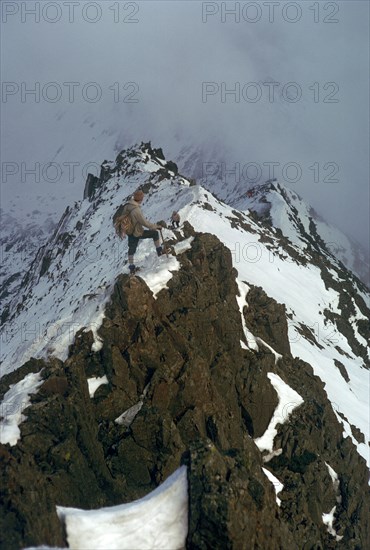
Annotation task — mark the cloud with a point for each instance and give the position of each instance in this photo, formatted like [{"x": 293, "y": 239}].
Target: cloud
[{"x": 164, "y": 60}]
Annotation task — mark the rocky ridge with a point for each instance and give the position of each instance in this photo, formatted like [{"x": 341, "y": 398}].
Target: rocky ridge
[
  {"x": 195, "y": 388},
  {"x": 206, "y": 400}
]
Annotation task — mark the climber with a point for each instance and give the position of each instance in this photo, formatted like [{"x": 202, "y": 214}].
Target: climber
[
  {"x": 175, "y": 219},
  {"x": 133, "y": 209}
]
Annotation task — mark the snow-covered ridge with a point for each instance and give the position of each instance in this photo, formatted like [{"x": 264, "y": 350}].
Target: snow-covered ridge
[
  {"x": 72, "y": 278},
  {"x": 303, "y": 226},
  {"x": 276, "y": 203},
  {"x": 72, "y": 275}
]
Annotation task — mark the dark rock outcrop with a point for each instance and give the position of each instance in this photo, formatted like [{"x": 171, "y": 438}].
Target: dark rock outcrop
[
  {"x": 267, "y": 319},
  {"x": 92, "y": 184},
  {"x": 232, "y": 503}
]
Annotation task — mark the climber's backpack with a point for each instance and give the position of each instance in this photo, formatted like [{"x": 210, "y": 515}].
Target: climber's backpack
[{"x": 123, "y": 222}]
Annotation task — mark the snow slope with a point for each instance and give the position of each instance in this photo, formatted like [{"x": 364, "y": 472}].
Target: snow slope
[
  {"x": 303, "y": 291},
  {"x": 22, "y": 234},
  {"x": 214, "y": 169},
  {"x": 302, "y": 225}
]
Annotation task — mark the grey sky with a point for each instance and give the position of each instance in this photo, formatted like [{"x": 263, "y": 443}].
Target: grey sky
[{"x": 168, "y": 53}]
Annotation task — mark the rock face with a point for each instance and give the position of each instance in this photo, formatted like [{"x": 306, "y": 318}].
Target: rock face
[
  {"x": 267, "y": 319},
  {"x": 232, "y": 503},
  {"x": 202, "y": 399}
]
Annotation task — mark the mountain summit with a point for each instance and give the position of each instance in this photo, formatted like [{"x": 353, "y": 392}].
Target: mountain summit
[{"x": 242, "y": 359}]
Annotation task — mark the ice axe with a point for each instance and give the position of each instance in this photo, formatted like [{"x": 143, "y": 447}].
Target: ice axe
[{"x": 163, "y": 243}]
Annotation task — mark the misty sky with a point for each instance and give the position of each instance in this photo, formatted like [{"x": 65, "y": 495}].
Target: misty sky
[{"x": 301, "y": 68}]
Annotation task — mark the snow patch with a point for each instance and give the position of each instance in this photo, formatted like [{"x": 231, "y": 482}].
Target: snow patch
[
  {"x": 289, "y": 400},
  {"x": 127, "y": 417},
  {"x": 275, "y": 353},
  {"x": 158, "y": 276},
  {"x": 278, "y": 486},
  {"x": 335, "y": 479},
  {"x": 184, "y": 245},
  {"x": 157, "y": 521},
  {"x": 243, "y": 345},
  {"x": 16, "y": 399},
  {"x": 358, "y": 316},
  {"x": 328, "y": 520},
  {"x": 242, "y": 302},
  {"x": 94, "y": 383},
  {"x": 98, "y": 342}
]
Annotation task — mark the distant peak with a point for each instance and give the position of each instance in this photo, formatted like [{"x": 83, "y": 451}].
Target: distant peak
[{"x": 273, "y": 186}]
